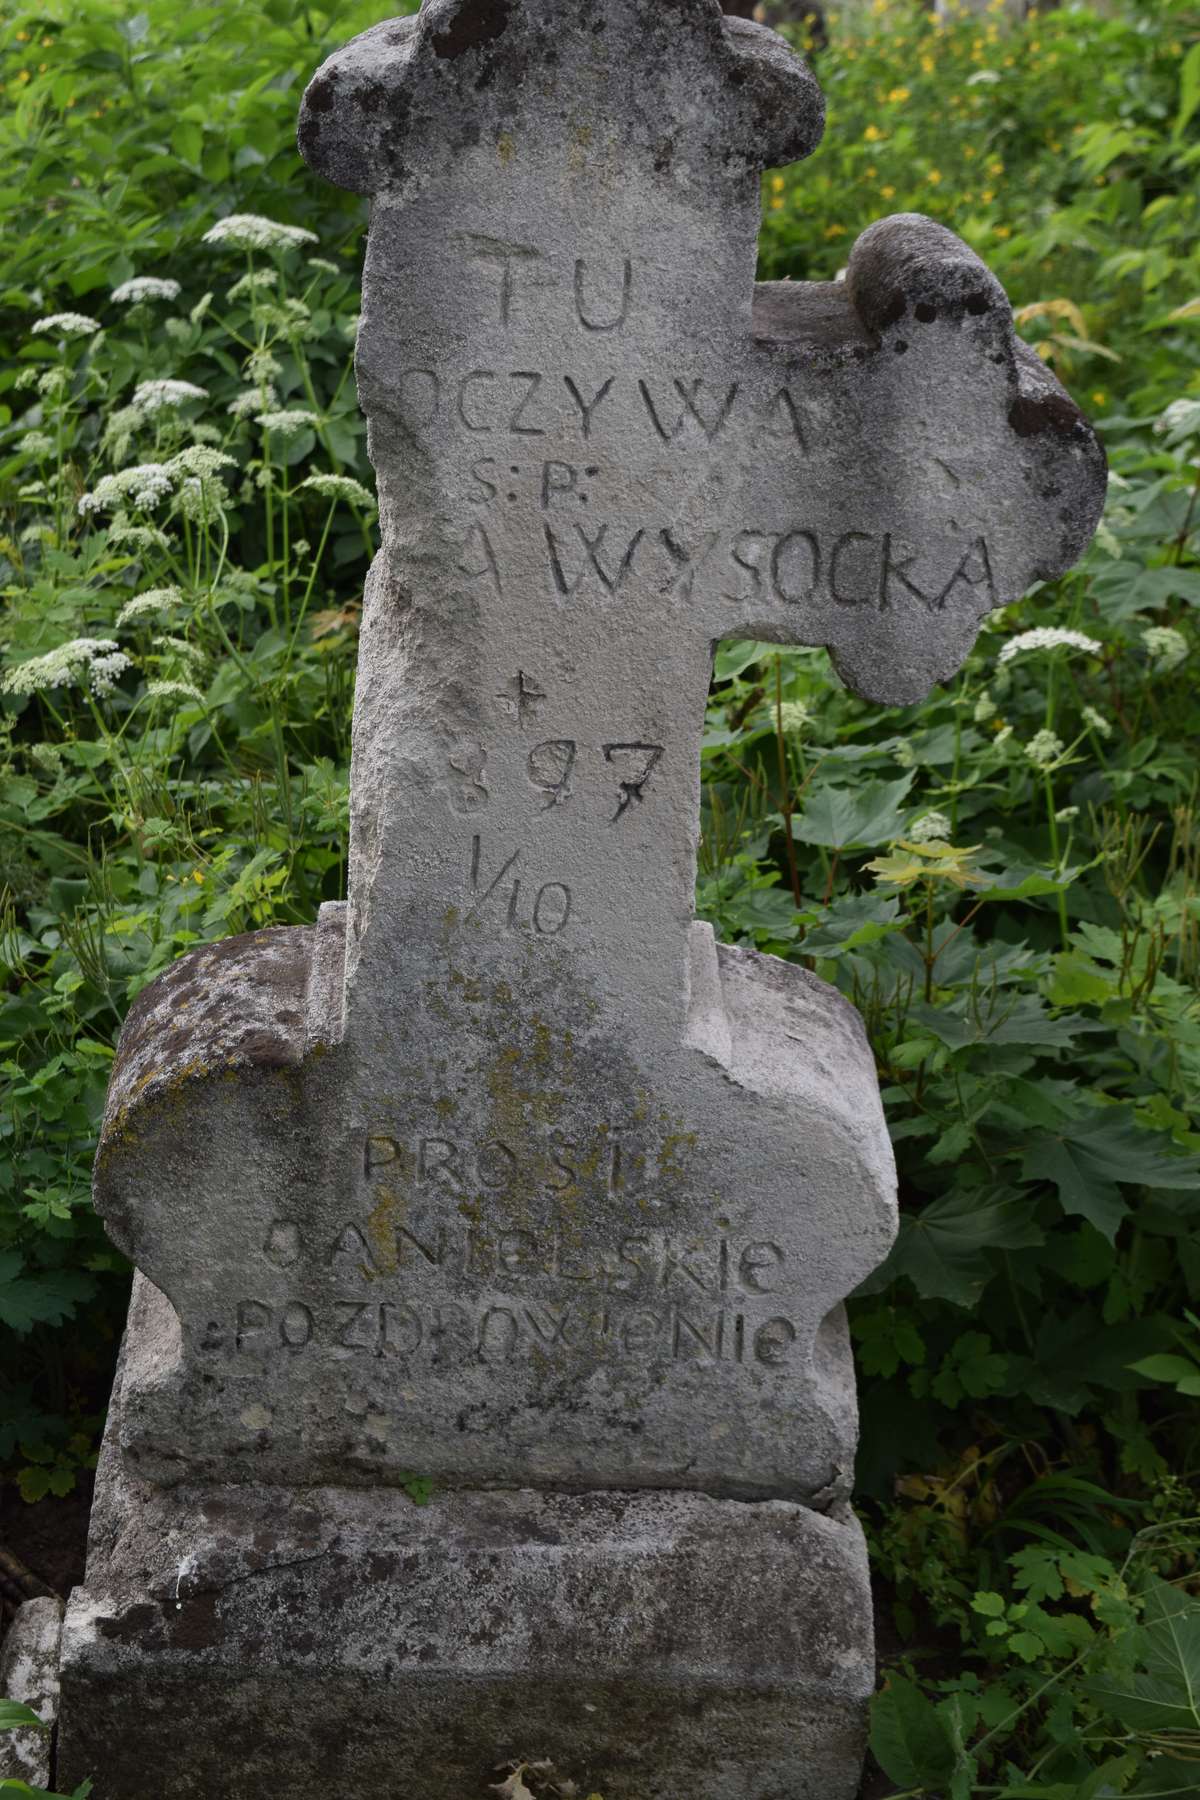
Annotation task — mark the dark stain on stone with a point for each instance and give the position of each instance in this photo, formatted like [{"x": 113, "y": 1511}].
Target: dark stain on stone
[
  {"x": 320, "y": 96},
  {"x": 894, "y": 311},
  {"x": 977, "y": 302},
  {"x": 472, "y": 25},
  {"x": 134, "y": 1625},
  {"x": 925, "y": 312},
  {"x": 1053, "y": 413},
  {"x": 196, "y": 1626}
]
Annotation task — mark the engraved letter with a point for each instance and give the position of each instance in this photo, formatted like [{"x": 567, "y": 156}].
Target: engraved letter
[
  {"x": 897, "y": 566},
  {"x": 839, "y": 549},
  {"x": 790, "y": 584},
  {"x": 610, "y": 324},
  {"x": 557, "y": 478},
  {"x": 978, "y": 548},
  {"x": 535, "y": 382},
  {"x": 496, "y": 1164},
  {"x": 634, "y": 789},
  {"x": 252, "y": 1317},
  {"x": 756, "y": 1260},
  {"x": 747, "y": 550},
  {"x": 587, "y": 407},
  {"x": 295, "y": 1326},
  {"x": 773, "y": 1340},
  {"x": 550, "y": 764},
  {"x": 496, "y": 250},
  {"x": 688, "y": 561},
  {"x": 498, "y": 1334},
  {"x": 378, "y": 1152},
  {"x": 489, "y": 487},
  {"x": 552, "y": 908},
  {"x": 467, "y": 382},
  {"x": 437, "y": 1160}
]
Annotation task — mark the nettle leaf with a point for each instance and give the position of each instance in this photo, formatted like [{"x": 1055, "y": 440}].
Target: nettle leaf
[
  {"x": 1087, "y": 1160},
  {"x": 912, "y": 1741},
  {"x": 942, "y": 1249},
  {"x": 855, "y": 818}
]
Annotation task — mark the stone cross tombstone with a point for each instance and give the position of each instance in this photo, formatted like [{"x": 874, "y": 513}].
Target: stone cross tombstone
[{"x": 504, "y": 1174}]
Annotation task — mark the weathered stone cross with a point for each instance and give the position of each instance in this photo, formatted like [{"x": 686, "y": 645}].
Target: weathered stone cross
[{"x": 503, "y": 1173}]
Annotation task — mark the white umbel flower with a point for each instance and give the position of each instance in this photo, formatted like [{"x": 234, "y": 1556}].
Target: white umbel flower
[
  {"x": 154, "y": 600},
  {"x": 253, "y": 400},
  {"x": 1165, "y": 647},
  {"x": 173, "y": 690},
  {"x": 287, "y": 423},
  {"x": 146, "y": 287},
  {"x": 1048, "y": 637},
  {"x": 145, "y": 484},
  {"x": 1044, "y": 749},
  {"x": 94, "y": 662},
  {"x": 338, "y": 487},
  {"x": 156, "y": 396},
  {"x": 932, "y": 827},
  {"x": 250, "y": 231},
  {"x": 66, "y": 324},
  {"x": 1096, "y": 721}
]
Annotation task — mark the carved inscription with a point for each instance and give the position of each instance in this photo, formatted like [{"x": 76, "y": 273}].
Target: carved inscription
[
  {"x": 685, "y": 412},
  {"x": 547, "y": 913},
  {"x": 501, "y": 1329}
]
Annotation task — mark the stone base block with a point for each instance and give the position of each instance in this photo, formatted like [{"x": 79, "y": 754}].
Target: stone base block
[{"x": 666, "y": 1646}]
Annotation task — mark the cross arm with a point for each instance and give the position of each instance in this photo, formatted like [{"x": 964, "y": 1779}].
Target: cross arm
[{"x": 932, "y": 468}]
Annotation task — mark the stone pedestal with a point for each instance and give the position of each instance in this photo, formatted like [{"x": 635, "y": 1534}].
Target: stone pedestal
[{"x": 241, "y": 1640}]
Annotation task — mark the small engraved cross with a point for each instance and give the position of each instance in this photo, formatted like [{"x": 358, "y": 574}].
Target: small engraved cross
[{"x": 521, "y": 696}]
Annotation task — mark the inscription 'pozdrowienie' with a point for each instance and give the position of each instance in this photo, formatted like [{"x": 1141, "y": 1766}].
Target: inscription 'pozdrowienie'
[{"x": 504, "y": 1173}]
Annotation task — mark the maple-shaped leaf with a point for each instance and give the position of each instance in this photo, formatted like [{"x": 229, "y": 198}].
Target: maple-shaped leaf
[{"x": 934, "y": 861}]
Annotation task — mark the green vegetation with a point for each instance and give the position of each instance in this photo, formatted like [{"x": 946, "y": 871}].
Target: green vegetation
[{"x": 1006, "y": 879}]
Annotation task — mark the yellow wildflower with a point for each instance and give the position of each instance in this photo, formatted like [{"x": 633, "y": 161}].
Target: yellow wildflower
[
  {"x": 970, "y": 152},
  {"x": 927, "y": 63},
  {"x": 1003, "y": 231},
  {"x": 834, "y": 231},
  {"x": 987, "y": 196},
  {"x": 22, "y": 37},
  {"x": 889, "y": 192},
  {"x": 898, "y": 96},
  {"x": 1099, "y": 398},
  {"x": 47, "y": 42},
  {"x": 873, "y": 134},
  {"x": 934, "y": 176},
  {"x": 776, "y": 204},
  {"x": 1010, "y": 62},
  {"x": 777, "y": 184},
  {"x": 22, "y": 74},
  {"x": 996, "y": 168}
]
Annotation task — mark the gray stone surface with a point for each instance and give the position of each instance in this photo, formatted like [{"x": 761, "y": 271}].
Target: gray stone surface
[
  {"x": 343, "y": 1641},
  {"x": 29, "y": 1673},
  {"x": 504, "y": 1173}
]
